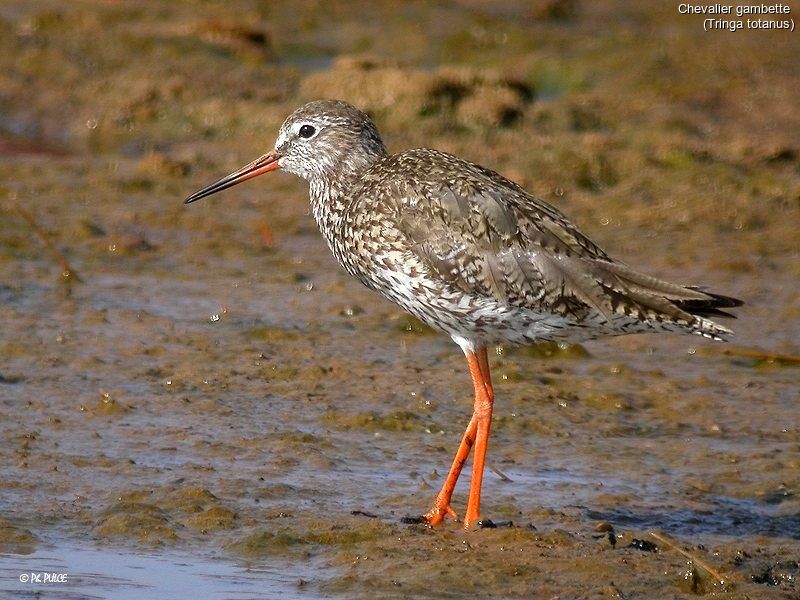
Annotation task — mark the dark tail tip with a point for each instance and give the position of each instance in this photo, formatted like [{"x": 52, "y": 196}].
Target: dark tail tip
[{"x": 710, "y": 307}]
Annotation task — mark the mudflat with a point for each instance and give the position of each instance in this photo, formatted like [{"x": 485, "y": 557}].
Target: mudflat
[{"x": 207, "y": 384}]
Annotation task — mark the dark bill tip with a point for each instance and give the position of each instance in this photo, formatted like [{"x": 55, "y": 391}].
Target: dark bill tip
[{"x": 263, "y": 164}]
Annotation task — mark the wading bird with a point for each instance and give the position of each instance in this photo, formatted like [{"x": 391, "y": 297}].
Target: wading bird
[{"x": 468, "y": 252}]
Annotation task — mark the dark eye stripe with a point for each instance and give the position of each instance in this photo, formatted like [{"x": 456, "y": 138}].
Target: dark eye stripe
[{"x": 306, "y": 131}]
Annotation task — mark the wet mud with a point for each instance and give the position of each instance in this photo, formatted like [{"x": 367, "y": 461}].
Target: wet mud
[{"x": 206, "y": 383}]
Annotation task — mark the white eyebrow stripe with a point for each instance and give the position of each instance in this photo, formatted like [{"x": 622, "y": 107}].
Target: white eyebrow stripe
[
  {"x": 294, "y": 130},
  {"x": 282, "y": 135}
]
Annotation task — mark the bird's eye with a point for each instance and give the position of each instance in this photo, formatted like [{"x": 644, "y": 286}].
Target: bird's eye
[{"x": 307, "y": 131}]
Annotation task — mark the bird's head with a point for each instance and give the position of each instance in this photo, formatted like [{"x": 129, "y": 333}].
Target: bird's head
[{"x": 322, "y": 141}]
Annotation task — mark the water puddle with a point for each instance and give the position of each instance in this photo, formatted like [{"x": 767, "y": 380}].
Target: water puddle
[
  {"x": 84, "y": 572},
  {"x": 722, "y": 517}
]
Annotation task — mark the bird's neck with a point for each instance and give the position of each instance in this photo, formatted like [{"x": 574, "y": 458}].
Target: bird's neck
[
  {"x": 331, "y": 197},
  {"x": 328, "y": 205}
]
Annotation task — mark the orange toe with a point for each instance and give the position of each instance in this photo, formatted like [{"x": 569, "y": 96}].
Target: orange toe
[{"x": 437, "y": 514}]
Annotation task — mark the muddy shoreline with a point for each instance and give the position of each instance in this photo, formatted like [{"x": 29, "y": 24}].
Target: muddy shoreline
[{"x": 216, "y": 389}]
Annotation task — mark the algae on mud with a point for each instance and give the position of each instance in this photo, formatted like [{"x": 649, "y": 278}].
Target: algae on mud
[{"x": 130, "y": 416}]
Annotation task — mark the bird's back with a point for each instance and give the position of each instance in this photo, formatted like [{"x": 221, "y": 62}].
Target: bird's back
[{"x": 441, "y": 227}]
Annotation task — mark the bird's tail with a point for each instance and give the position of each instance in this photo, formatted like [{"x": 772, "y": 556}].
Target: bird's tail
[
  {"x": 709, "y": 307},
  {"x": 685, "y": 306}
]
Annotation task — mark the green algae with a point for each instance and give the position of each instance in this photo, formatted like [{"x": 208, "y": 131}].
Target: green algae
[
  {"x": 216, "y": 518},
  {"x": 146, "y": 523},
  {"x": 342, "y": 536},
  {"x": 16, "y": 539},
  {"x": 371, "y": 421},
  {"x": 549, "y": 350}
]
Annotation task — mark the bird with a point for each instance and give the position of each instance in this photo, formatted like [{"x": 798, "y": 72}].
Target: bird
[{"x": 471, "y": 254}]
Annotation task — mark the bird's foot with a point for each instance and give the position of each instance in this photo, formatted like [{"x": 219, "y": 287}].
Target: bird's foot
[
  {"x": 437, "y": 514},
  {"x": 471, "y": 519}
]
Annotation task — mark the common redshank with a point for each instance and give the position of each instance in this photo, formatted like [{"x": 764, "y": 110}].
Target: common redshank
[{"x": 468, "y": 252}]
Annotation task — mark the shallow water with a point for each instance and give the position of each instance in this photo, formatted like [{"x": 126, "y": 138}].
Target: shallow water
[
  {"x": 73, "y": 572},
  {"x": 234, "y": 410}
]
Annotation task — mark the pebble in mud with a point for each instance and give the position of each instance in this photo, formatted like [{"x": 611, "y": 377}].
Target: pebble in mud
[
  {"x": 605, "y": 532},
  {"x": 643, "y": 545}
]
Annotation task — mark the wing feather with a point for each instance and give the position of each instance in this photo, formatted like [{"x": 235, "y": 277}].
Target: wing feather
[{"x": 484, "y": 234}]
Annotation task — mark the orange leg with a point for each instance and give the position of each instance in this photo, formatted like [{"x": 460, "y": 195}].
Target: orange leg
[
  {"x": 482, "y": 414},
  {"x": 441, "y": 506},
  {"x": 483, "y": 361},
  {"x": 477, "y": 431}
]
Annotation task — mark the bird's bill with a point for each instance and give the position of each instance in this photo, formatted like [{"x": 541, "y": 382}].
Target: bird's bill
[{"x": 263, "y": 164}]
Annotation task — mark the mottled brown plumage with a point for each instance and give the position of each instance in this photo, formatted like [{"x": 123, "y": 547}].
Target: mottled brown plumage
[
  {"x": 469, "y": 252},
  {"x": 433, "y": 217}
]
